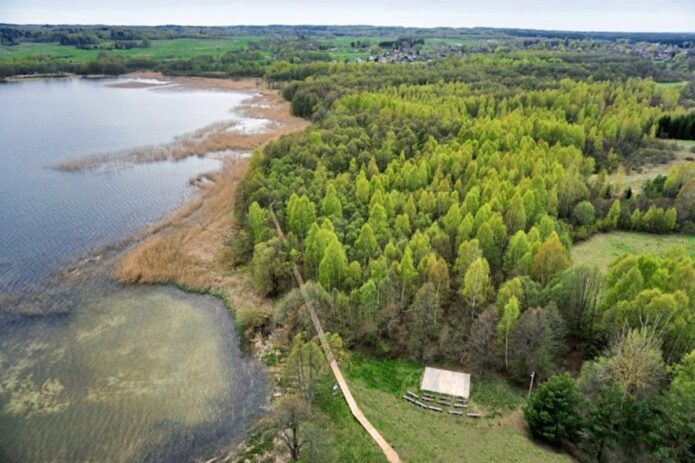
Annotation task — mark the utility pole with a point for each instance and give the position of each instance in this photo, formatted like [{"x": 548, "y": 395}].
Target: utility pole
[{"x": 530, "y": 386}]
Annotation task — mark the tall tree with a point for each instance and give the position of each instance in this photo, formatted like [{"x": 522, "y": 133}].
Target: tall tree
[
  {"x": 550, "y": 260},
  {"x": 305, "y": 366},
  {"x": 508, "y": 318},
  {"x": 331, "y": 206},
  {"x": 476, "y": 286},
  {"x": 482, "y": 341},
  {"x": 424, "y": 319},
  {"x": 301, "y": 214},
  {"x": 334, "y": 266}
]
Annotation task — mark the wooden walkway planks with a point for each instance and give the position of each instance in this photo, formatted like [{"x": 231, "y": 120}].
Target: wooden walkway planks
[{"x": 388, "y": 451}]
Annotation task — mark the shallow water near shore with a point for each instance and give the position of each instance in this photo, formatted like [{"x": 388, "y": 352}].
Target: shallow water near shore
[
  {"x": 131, "y": 374},
  {"x": 106, "y": 372},
  {"x": 49, "y": 216}
]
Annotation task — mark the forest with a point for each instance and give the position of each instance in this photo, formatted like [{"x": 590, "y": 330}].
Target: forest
[
  {"x": 255, "y": 51},
  {"x": 432, "y": 206},
  {"x": 435, "y": 207}
]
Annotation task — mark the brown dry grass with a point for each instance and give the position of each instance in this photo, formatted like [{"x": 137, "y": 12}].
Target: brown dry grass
[{"x": 187, "y": 247}]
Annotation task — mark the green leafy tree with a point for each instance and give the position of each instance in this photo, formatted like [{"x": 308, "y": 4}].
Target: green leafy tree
[
  {"x": 553, "y": 411},
  {"x": 550, "y": 260},
  {"x": 476, "y": 286},
  {"x": 366, "y": 246},
  {"x": 517, "y": 260},
  {"x": 271, "y": 267},
  {"x": 508, "y": 317},
  {"x": 333, "y": 268},
  {"x": 604, "y": 422},
  {"x": 301, "y": 214},
  {"x": 672, "y": 433},
  {"x": 584, "y": 213},
  {"x": 362, "y": 188},
  {"x": 258, "y": 222},
  {"x": 331, "y": 205},
  {"x": 305, "y": 367},
  {"x": 515, "y": 217}
]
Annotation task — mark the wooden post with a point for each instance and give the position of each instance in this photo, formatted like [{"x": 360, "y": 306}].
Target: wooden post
[{"x": 530, "y": 386}]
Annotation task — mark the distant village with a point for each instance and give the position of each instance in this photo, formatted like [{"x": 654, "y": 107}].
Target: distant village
[{"x": 406, "y": 52}]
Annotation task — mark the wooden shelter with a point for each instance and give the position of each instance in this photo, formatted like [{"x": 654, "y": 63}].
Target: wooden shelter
[{"x": 447, "y": 382}]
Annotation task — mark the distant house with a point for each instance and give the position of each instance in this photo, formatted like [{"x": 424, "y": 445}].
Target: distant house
[{"x": 447, "y": 382}]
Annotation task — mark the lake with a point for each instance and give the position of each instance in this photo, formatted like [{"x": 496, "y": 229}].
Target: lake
[{"x": 115, "y": 373}]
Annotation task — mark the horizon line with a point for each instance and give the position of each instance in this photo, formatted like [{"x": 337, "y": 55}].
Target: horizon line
[{"x": 531, "y": 29}]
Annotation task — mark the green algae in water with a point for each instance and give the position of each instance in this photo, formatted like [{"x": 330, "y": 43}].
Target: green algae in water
[{"x": 133, "y": 374}]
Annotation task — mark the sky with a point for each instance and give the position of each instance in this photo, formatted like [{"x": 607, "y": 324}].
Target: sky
[{"x": 580, "y": 15}]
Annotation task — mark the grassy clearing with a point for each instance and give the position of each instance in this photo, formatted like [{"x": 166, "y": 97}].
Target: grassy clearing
[
  {"x": 421, "y": 436},
  {"x": 352, "y": 443},
  {"x": 636, "y": 178},
  {"x": 602, "y": 249}
]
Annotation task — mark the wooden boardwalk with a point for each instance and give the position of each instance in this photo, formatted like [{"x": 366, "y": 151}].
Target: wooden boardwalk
[{"x": 388, "y": 451}]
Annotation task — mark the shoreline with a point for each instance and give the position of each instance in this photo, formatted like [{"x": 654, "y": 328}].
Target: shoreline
[
  {"x": 187, "y": 248},
  {"x": 265, "y": 108}
]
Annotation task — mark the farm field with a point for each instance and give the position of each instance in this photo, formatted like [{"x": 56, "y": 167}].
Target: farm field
[
  {"x": 159, "y": 50},
  {"x": 604, "y": 248},
  {"x": 171, "y": 49}
]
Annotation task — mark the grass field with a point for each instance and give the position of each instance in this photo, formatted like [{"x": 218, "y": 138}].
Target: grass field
[
  {"x": 159, "y": 50},
  {"x": 602, "y": 249},
  {"x": 420, "y": 436},
  {"x": 168, "y": 49}
]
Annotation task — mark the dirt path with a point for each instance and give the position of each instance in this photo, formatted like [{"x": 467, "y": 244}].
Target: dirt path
[{"x": 388, "y": 451}]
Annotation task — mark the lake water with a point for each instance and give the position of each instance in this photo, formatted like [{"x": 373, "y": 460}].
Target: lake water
[{"x": 123, "y": 373}]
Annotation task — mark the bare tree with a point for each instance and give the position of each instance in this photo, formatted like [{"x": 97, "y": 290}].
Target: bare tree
[
  {"x": 482, "y": 342},
  {"x": 288, "y": 418}
]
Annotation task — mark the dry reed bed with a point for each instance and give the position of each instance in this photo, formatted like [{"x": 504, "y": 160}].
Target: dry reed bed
[
  {"x": 187, "y": 247},
  {"x": 218, "y": 137}
]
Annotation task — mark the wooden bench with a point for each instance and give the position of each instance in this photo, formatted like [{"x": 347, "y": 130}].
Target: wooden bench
[
  {"x": 434, "y": 409},
  {"x": 456, "y": 412},
  {"x": 473, "y": 415},
  {"x": 460, "y": 406}
]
